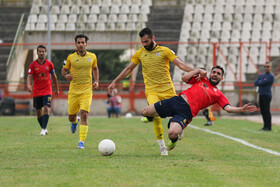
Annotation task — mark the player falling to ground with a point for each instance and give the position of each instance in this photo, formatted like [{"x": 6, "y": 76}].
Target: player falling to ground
[
  {"x": 155, "y": 69},
  {"x": 40, "y": 71},
  {"x": 81, "y": 66},
  {"x": 184, "y": 107}
]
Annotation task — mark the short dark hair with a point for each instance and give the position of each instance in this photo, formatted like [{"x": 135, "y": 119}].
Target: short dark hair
[
  {"x": 146, "y": 31},
  {"x": 219, "y": 67},
  {"x": 41, "y": 46},
  {"x": 81, "y": 36}
]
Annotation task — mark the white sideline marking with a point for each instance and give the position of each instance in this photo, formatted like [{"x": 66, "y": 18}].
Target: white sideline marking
[{"x": 238, "y": 140}]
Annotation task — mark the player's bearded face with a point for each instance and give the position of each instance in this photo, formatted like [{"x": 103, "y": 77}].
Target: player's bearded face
[
  {"x": 150, "y": 46},
  {"x": 215, "y": 76},
  {"x": 147, "y": 42}
]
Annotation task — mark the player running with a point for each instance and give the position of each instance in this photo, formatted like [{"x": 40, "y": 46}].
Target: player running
[
  {"x": 40, "y": 70},
  {"x": 81, "y": 65}
]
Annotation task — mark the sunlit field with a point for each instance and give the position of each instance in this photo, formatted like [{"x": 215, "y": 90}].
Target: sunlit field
[{"x": 200, "y": 159}]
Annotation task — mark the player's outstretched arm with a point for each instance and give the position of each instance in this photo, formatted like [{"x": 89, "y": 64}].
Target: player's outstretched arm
[
  {"x": 121, "y": 76},
  {"x": 246, "y": 108},
  {"x": 182, "y": 65},
  {"x": 190, "y": 74}
]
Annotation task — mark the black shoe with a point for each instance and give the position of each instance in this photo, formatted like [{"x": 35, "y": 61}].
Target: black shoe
[
  {"x": 209, "y": 123},
  {"x": 265, "y": 129}
]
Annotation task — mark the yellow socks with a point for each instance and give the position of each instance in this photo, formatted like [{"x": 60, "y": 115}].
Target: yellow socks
[
  {"x": 212, "y": 118},
  {"x": 75, "y": 121},
  {"x": 158, "y": 130},
  {"x": 83, "y": 132}
]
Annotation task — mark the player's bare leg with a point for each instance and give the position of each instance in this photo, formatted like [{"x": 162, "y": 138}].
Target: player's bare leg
[
  {"x": 149, "y": 111},
  {"x": 174, "y": 130}
]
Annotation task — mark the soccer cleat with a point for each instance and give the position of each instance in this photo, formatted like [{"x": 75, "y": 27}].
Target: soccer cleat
[
  {"x": 43, "y": 133},
  {"x": 209, "y": 123},
  {"x": 163, "y": 151},
  {"x": 144, "y": 120},
  {"x": 180, "y": 136},
  {"x": 171, "y": 146},
  {"x": 81, "y": 145},
  {"x": 46, "y": 132},
  {"x": 74, "y": 125}
]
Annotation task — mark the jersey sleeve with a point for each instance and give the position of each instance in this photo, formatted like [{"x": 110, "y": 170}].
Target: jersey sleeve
[
  {"x": 52, "y": 70},
  {"x": 223, "y": 101},
  {"x": 136, "y": 57},
  {"x": 192, "y": 80},
  {"x": 31, "y": 69},
  {"x": 94, "y": 64},
  {"x": 67, "y": 65},
  {"x": 170, "y": 54}
]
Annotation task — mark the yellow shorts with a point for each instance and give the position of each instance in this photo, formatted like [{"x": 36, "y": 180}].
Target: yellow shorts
[
  {"x": 79, "y": 101},
  {"x": 152, "y": 98}
]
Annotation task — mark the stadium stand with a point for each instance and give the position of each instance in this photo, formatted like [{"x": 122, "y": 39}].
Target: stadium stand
[
  {"x": 127, "y": 15},
  {"x": 230, "y": 21},
  {"x": 8, "y": 28}
]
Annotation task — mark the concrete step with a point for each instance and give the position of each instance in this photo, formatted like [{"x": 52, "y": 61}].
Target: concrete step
[
  {"x": 167, "y": 10},
  {"x": 3, "y": 59},
  {"x": 162, "y": 16},
  {"x": 14, "y": 10},
  {"x": 5, "y": 50},
  {"x": 3, "y": 75},
  {"x": 161, "y": 24},
  {"x": 2, "y": 66}
]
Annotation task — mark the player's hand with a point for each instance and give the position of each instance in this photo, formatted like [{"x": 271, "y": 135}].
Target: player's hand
[
  {"x": 56, "y": 92},
  {"x": 95, "y": 85},
  {"x": 111, "y": 87},
  {"x": 249, "y": 108},
  {"x": 29, "y": 87},
  {"x": 69, "y": 77},
  {"x": 202, "y": 72}
]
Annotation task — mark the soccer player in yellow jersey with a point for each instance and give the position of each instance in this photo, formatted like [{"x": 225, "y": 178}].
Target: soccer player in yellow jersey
[
  {"x": 81, "y": 66},
  {"x": 155, "y": 69}
]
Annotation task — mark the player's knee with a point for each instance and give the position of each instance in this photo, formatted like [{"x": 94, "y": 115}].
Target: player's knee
[
  {"x": 46, "y": 110},
  {"x": 172, "y": 134},
  {"x": 174, "y": 130},
  {"x": 72, "y": 118}
]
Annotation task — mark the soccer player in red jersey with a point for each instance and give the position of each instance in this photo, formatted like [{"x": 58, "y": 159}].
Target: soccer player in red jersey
[
  {"x": 40, "y": 70},
  {"x": 188, "y": 103}
]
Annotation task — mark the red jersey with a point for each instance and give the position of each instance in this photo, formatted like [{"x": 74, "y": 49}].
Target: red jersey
[
  {"x": 41, "y": 77},
  {"x": 203, "y": 94}
]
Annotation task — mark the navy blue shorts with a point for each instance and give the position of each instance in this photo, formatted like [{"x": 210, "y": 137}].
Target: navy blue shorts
[
  {"x": 39, "y": 102},
  {"x": 176, "y": 107}
]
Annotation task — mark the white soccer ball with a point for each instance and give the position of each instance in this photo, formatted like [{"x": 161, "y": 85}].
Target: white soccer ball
[
  {"x": 128, "y": 115},
  {"x": 106, "y": 147}
]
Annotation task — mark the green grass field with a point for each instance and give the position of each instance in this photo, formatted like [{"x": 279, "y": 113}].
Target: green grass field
[{"x": 200, "y": 159}]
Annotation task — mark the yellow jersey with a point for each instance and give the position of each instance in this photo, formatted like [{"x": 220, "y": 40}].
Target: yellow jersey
[
  {"x": 80, "y": 68},
  {"x": 155, "y": 68}
]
